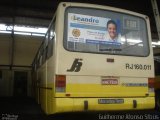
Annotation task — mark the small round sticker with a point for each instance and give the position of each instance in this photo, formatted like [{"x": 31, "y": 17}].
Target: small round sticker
[{"x": 76, "y": 32}]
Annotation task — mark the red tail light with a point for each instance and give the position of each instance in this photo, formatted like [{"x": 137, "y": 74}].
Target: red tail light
[
  {"x": 151, "y": 82},
  {"x": 60, "y": 82}
]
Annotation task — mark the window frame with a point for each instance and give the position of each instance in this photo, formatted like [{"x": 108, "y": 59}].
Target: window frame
[{"x": 147, "y": 43}]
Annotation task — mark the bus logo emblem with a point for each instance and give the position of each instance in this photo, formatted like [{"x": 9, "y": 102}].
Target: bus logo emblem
[{"x": 76, "y": 66}]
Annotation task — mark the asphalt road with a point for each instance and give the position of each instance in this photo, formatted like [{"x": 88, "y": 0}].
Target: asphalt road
[{"x": 28, "y": 109}]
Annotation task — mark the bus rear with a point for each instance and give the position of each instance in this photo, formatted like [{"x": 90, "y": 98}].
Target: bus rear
[{"x": 104, "y": 59}]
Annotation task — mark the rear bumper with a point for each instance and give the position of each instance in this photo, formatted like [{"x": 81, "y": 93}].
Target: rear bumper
[{"x": 91, "y": 104}]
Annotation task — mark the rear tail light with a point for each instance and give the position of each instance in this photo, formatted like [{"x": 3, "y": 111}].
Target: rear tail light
[
  {"x": 60, "y": 83},
  {"x": 151, "y": 82}
]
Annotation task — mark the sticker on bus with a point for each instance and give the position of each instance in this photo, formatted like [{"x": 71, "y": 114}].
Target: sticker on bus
[{"x": 110, "y": 101}]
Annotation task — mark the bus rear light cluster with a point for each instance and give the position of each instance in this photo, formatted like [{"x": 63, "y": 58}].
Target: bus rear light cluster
[
  {"x": 60, "y": 83},
  {"x": 151, "y": 82}
]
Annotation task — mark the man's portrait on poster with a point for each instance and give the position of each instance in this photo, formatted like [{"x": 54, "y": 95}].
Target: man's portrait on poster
[{"x": 112, "y": 34}]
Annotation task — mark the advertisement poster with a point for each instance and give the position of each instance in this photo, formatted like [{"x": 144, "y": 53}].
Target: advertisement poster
[{"x": 93, "y": 30}]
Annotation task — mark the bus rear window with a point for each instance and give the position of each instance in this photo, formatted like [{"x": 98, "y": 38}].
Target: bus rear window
[{"x": 106, "y": 32}]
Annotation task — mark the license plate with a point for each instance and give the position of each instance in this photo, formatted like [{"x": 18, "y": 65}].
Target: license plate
[
  {"x": 109, "y": 82},
  {"x": 110, "y": 101}
]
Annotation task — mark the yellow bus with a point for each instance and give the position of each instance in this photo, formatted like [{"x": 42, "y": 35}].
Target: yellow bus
[{"x": 95, "y": 58}]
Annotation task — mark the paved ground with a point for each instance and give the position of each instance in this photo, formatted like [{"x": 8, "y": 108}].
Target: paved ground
[
  {"x": 28, "y": 109},
  {"x": 20, "y": 109}
]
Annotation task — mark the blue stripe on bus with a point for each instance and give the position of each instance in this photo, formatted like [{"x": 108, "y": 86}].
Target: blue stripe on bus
[
  {"x": 102, "y": 42},
  {"x": 87, "y": 26}
]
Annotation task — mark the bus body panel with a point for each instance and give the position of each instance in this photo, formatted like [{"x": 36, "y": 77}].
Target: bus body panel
[
  {"x": 42, "y": 79},
  {"x": 96, "y": 64},
  {"x": 88, "y": 81},
  {"x": 89, "y": 86},
  {"x": 137, "y": 69},
  {"x": 93, "y": 77},
  {"x": 77, "y": 104}
]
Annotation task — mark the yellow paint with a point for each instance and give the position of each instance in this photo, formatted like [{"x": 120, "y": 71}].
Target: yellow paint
[
  {"x": 77, "y": 104},
  {"x": 43, "y": 99},
  {"x": 98, "y": 90},
  {"x": 50, "y": 96},
  {"x": 74, "y": 103}
]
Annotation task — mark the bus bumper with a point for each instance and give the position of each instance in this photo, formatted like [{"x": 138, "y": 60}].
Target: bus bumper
[{"x": 92, "y": 104}]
